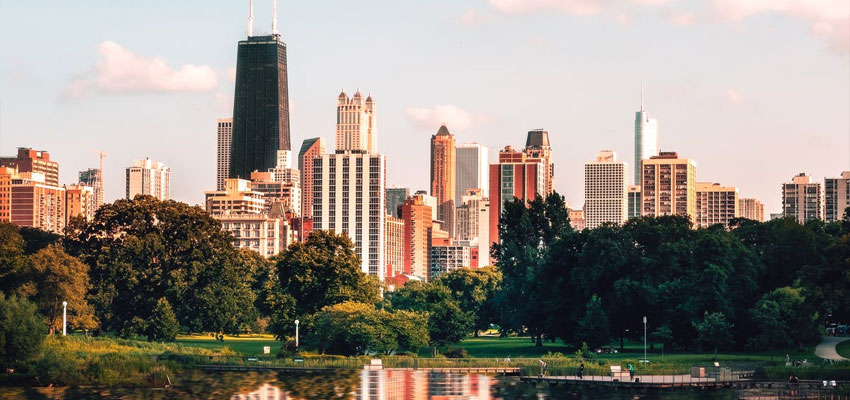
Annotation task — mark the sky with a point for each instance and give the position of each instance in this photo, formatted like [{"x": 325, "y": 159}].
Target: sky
[{"x": 755, "y": 91}]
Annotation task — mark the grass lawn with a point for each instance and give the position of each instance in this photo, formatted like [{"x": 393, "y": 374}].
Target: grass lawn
[
  {"x": 243, "y": 344},
  {"x": 843, "y": 349}
]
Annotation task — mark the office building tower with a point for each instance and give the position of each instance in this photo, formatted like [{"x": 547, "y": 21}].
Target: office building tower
[
  {"x": 443, "y": 176},
  {"x": 80, "y": 201},
  {"x": 395, "y": 198},
  {"x": 6, "y": 175},
  {"x": 605, "y": 190},
  {"x": 646, "y": 139},
  {"x": 634, "y": 201},
  {"x": 668, "y": 186},
  {"x": 224, "y": 137},
  {"x": 37, "y": 204},
  {"x": 751, "y": 209},
  {"x": 513, "y": 176},
  {"x": 150, "y": 178},
  {"x": 260, "y": 104},
  {"x": 471, "y": 170},
  {"x": 310, "y": 149},
  {"x": 355, "y": 123},
  {"x": 348, "y": 197},
  {"x": 237, "y": 198},
  {"x": 394, "y": 233},
  {"x": 473, "y": 222},
  {"x": 93, "y": 177},
  {"x": 285, "y": 194},
  {"x": 448, "y": 257},
  {"x": 836, "y": 197},
  {"x": 802, "y": 199},
  {"x": 716, "y": 204},
  {"x": 29, "y": 160},
  {"x": 537, "y": 148},
  {"x": 418, "y": 230}
]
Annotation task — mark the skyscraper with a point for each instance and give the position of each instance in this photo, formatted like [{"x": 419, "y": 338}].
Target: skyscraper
[
  {"x": 802, "y": 199},
  {"x": 514, "y": 176},
  {"x": 395, "y": 198},
  {"x": 716, "y": 204},
  {"x": 224, "y": 136},
  {"x": 418, "y": 226},
  {"x": 471, "y": 170},
  {"x": 668, "y": 186},
  {"x": 149, "y": 178},
  {"x": 473, "y": 222},
  {"x": 29, "y": 160},
  {"x": 443, "y": 176},
  {"x": 646, "y": 138},
  {"x": 93, "y": 177},
  {"x": 605, "y": 190},
  {"x": 260, "y": 103},
  {"x": 310, "y": 149},
  {"x": 37, "y": 204},
  {"x": 634, "y": 201},
  {"x": 356, "y": 127},
  {"x": 836, "y": 197},
  {"x": 537, "y": 148}
]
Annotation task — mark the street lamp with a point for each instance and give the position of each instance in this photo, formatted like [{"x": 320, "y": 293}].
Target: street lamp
[
  {"x": 644, "y": 339},
  {"x": 296, "y": 334},
  {"x": 64, "y": 318}
]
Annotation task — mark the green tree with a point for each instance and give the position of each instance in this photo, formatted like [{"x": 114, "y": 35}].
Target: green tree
[
  {"x": 13, "y": 262},
  {"x": 58, "y": 277},
  {"x": 447, "y": 323},
  {"x": 352, "y": 328},
  {"x": 475, "y": 290},
  {"x": 162, "y": 325},
  {"x": 664, "y": 335},
  {"x": 784, "y": 319},
  {"x": 714, "y": 331},
  {"x": 21, "y": 331},
  {"x": 593, "y": 327}
]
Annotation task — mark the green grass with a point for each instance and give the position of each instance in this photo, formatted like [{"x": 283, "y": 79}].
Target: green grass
[
  {"x": 244, "y": 344},
  {"x": 843, "y": 349}
]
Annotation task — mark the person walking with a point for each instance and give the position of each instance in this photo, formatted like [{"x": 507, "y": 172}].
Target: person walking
[
  {"x": 581, "y": 371},
  {"x": 631, "y": 372}
]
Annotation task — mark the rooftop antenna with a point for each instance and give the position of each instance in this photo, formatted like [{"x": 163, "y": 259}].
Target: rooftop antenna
[
  {"x": 274, "y": 18},
  {"x": 250, "y": 17},
  {"x": 641, "y": 95}
]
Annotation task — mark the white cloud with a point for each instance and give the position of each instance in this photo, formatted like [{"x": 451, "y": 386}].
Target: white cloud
[
  {"x": 683, "y": 19},
  {"x": 121, "y": 71},
  {"x": 734, "y": 97},
  {"x": 574, "y": 7},
  {"x": 453, "y": 117},
  {"x": 231, "y": 74}
]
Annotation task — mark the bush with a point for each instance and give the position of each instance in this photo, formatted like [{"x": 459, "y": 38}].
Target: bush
[
  {"x": 455, "y": 353},
  {"x": 287, "y": 349},
  {"x": 22, "y": 331}
]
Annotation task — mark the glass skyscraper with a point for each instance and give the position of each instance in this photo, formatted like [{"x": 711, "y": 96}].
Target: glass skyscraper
[{"x": 646, "y": 140}]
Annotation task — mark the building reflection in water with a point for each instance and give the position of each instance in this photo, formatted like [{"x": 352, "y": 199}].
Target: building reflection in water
[{"x": 399, "y": 384}]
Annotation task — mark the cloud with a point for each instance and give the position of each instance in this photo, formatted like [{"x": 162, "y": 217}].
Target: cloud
[
  {"x": 472, "y": 17},
  {"x": 573, "y": 7},
  {"x": 121, "y": 71},
  {"x": 734, "y": 97},
  {"x": 683, "y": 19},
  {"x": 454, "y": 117},
  {"x": 231, "y": 74}
]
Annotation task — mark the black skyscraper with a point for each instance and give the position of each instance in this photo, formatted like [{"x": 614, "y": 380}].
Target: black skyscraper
[{"x": 260, "y": 106}]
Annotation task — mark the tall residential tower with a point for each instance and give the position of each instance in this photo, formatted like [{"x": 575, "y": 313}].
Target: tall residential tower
[
  {"x": 355, "y": 123},
  {"x": 646, "y": 138},
  {"x": 605, "y": 190},
  {"x": 471, "y": 170}
]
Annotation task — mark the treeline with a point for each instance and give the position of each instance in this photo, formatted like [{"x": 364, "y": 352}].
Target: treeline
[{"x": 755, "y": 285}]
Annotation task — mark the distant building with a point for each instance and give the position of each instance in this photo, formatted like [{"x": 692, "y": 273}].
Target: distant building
[
  {"x": 447, "y": 258},
  {"x": 443, "y": 176},
  {"x": 634, "y": 201},
  {"x": 836, "y": 197},
  {"x": 356, "y": 121},
  {"x": 646, "y": 139},
  {"x": 264, "y": 233},
  {"x": 537, "y": 148},
  {"x": 224, "y": 135},
  {"x": 395, "y": 198},
  {"x": 36, "y": 204},
  {"x": 605, "y": 190},
  {"x": 473, "y": 222},
  {"x": 472, "y": 169},
  {"x": 716, "y": 204},
  {"x": 751, "y": 209},
  {"x": 148, "y": 178},
  {"x": 6, "y": 176},
  {"x": 29, "y": 160},
  {"x": 577, "y": 220},
  {"x": 668, "y": 186},
  {"x": 286, "y": 193},
  {"x": 80, "y": 200},
  {"x": 93, "y": 177},
  {"x": 310, "y": 150},
  {"x": 418, "y": 230},
  {"x": 394, "y": 233},
  {"x": 802, "y": 199},
  {"x": 513, "y": 176},
  {"x": 236, "y": 198}
]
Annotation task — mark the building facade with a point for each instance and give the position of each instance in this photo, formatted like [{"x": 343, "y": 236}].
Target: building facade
[
  {"x": 668, "y": 186},
  {"x": 6, "y": 175},
  {"x": 36, "y": 204},
  {"x": 473, "y": 222},
  {"x": 443, "y": 176},
  {"x": 447, "y": 258},
  {"x": 150, "y": 178},
  {"x": 634, "y": 201},
  {"x": 716, "y": 204},
  {"x": 29, "y": 160},
  {"x": 286, "y": 194},
  {"x": 836, "y": 197},
  {"x": 802, "y": 199},
  {"x": 310, "y": 149},
  {"x": 93, "y": 177},
  {"x": 418, "y": 230},
  {"x": 751, "y": 209},
  {"x": 605, "y": 190},
  {"x": 395, "y": 198},
  {"x": 356, "y": 127},
  {"x": 224, "y": 136},
  {"x": 265, "y": 234},
  {"x": 646, "y": 140},
  {"x": 236, "y": 198},
  {"x": 80, "y": 200},
  {"x": 537, "y": 147},
  {"x": 472, "y": 169},
  {"x": 394, "y": 257},
  {"x": 514, "y": 176}
]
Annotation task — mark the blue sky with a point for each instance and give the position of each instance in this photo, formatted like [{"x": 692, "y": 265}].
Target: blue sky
[{"x": 754, "y": 90}]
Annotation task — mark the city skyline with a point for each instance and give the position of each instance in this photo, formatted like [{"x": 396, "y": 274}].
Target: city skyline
[{"x": 90, "y": 107}]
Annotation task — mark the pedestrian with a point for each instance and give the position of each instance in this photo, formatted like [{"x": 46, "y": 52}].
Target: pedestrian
[
  {"x": 631, "y": 372},
  {"x": 581, "y": 371}
]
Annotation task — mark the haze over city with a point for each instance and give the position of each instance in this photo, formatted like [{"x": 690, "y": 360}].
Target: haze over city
[{"x": 755, "y": 92}]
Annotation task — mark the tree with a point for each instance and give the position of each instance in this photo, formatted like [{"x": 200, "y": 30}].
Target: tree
[
  {"x": 714, "y": 331},
  {"x": 13, "y": 262},
  {"x": 22, "y": 331},
  {"x": 664, "y": 335},
  {"x": 162, "y": 325},
  {"x": 593, "y": 327},
  {"x": 58, "y": 277},
  {"x": 352, "y": 328},
  {"x": 784, "y": 319},
  {"x": 447, "y": 323},
  {"x": 475, "y": 290}
]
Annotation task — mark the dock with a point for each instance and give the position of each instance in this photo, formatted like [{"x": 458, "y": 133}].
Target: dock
[
  {"x": 504, "y": 371},
  {"x": 676, "y": 381}
]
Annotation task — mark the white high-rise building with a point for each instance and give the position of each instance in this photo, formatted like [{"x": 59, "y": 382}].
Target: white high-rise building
[
  {"x": 355, "y": 123},
  {"x": 473, "y": 222},
  {"x": 223, "y": 138},
  {"x": 471, "y": 170},
  {"x": 349, "y": 197},
  {"x": 150, "y": 178},
  {"x": 836, "y": 197},
  {"x": 802, "y": 199},
  {"x": 606, "y": 190},
  {"x": 646, "y": 139}
]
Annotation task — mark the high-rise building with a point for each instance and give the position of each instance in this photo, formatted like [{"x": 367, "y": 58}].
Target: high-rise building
[
  {"x": 471, "y": 170},
  {"x": 668, "y": 186},
  {"x": 283, "y": 193},
  {"x": 348, "y": 197},
  {"x": 93, "y": 178},
  {"x": 606, "y": 183},
  {"x": 836, "y": 197},
  {"x": 473, "y": 221},
  {"x": 513, "y": 176},
  {"x": 634, "y": 201},
  {"x": 395, "y": 198},
  {"x": 6, "y": 176},
  {"x": 310, "y": 149},
  {"x": 394, "y": 257},
  {"x": 448, "y": 257},
  {"x": 537, "y": 148},
  {"x": 260, "y": 105},
  {"x": 418, "y": 230},
  {"x": 443, "y": 176},
  {"x": 646, "y": 139},
  {"x": 716, "y": 204},
  {"x": 751, "y": 209},
  {"x": 224, "y": 137},
  {"x": 37, "y": 204},
  {"x": 237, "y": 198},
  {"x": 264, "y": 233},
  {"x": 802, "y": 199},
  {"x": 150, "y": 178},
  {"x": 29, "y": 160},
  {"x": 355, "y": 123},
  {"x": 80, "y": 200}
]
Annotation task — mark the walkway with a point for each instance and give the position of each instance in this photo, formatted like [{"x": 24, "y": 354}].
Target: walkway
[{"x": 826, "y": 348}]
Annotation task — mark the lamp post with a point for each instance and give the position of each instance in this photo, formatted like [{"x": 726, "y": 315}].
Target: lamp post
[
  {"x": 644, "y": 339},
  {"x": 64, "y": 318},
  {"x": 296, "y": 334}
]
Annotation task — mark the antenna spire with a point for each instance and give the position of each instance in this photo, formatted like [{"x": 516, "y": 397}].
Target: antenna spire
[
  {"x": 250, "y": 17},
  {"x": 641, "y": 95},
  {"x": 274, "y": 18}
]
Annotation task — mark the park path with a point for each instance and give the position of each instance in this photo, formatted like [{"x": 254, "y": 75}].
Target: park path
[{"x": 826, "y": 348}]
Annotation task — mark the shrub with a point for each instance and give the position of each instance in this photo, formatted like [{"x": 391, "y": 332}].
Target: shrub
[
  {"x": 455, "y": 353},
  {"x": 22, "y": 331}
]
